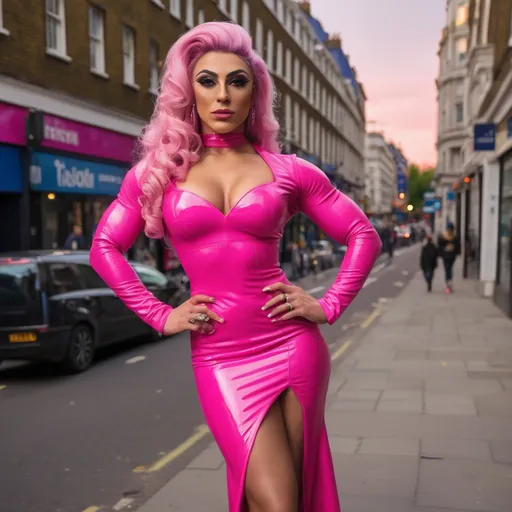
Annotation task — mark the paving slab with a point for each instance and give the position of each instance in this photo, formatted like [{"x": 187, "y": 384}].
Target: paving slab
[
  {"x": 389, "y": 446},
  {"x": 458, "y": 485},
  {"x": 502, "y": 451},
  {"x": 468, "y": 449}
]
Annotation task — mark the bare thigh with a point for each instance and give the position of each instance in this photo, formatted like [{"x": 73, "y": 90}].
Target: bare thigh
[
  {"x": 270, "y": 484},
  {"x": 294, "y": 425}
]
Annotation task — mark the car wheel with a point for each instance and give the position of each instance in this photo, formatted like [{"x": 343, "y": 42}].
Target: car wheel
[{"x": 81, "y": 347}]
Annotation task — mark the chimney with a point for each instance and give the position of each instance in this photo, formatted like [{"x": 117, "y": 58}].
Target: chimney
[
  {"x": 334, "y": 42},
  {"x": 305, "y": 7}
]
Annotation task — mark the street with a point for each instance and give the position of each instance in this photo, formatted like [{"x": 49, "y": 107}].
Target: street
[{"x": 121, "y": 430}]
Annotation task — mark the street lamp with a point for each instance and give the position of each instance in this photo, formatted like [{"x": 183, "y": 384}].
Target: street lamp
[
  {"x": 401, "y": 195},
  {"x": 410, "y": 207}
]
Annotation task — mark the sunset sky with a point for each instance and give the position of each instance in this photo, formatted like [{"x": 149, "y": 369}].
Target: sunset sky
[{"x": 393, "y": 45}]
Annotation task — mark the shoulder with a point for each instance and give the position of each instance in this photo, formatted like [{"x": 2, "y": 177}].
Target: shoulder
[{"x": 132, "y": 180}]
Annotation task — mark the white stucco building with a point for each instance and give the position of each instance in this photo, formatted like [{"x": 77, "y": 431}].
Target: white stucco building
[
  {"x": 452, "y": 105},
  {"x": 380, "y": 175}
]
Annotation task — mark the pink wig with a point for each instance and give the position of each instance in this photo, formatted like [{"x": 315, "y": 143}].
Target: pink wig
[{"x": 170, "y": 142}]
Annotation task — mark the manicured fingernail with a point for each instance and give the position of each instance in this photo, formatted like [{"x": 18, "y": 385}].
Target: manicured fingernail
[
  {"x": 266, "y": 289},
  {"x": 263, "y": 308},
  {"x": 270, "y": 315},
  {"x": 212, "y": 299}
]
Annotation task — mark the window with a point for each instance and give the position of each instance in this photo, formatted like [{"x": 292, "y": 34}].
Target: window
[
  {"x": 2, "y": 29},
  {"x": 153, "y": 67},
  {"x": 288, "y": 66},
  {"x": 55, "y": 27},
  {"x": 270, "y": 50},
  {"x": 259, "y": 37},
  {"x": 462, "y": 49},
  {"x": 462, "y": 14},
  {"x": 279, "y": 58},
  {"x": 149, "y": 276},
  {"x": 128, "y": 55},
  {"x": 234, "y": 10},
  {"x": 89, "y": 277},
  {"x": 296, "y": 73},
  {"x": 64, "y": 278},
  {"x": 189, "y": 19},
  {"x": 288, "y": 115},
  {"x": 304, "y": 82},
  {"x": 200, "y": 17},
  {"x": 223, "y": 6},
  {"x": 246, "y": 17},
  {"x": 459, "y": 111},
  {"x": 280, "y": 11},
  {"x": 97, "y": 39},
  {"x": 296, "y": 121},
  {"x": 19, "y": 288},
  {"x": 175, "y": 8}
]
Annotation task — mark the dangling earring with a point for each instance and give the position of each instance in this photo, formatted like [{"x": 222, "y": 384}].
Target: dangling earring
[
  {"x": 193, "y": 115},
  {"x": 253, "y": 116}
]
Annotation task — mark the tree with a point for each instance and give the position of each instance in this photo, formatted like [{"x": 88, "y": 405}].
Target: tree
[{"x": 418, "y": 183}]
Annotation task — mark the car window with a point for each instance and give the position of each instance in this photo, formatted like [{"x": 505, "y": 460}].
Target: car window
[
  {"x": 64, "y": 278},
  {"x": 18, "y": 284},
  {"x": 89, "y": 277},
  {"x": 149, "y": 276}
]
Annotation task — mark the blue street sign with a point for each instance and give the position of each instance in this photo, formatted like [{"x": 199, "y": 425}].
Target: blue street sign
[
  {"x": 450, "y": 195},
  {"x": 484, "y": 137}
]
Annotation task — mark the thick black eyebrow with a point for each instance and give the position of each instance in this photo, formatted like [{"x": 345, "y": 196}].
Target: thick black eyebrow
[{"x": 215, "y": 75}]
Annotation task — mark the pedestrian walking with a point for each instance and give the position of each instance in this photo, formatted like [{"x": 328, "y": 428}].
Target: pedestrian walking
[
  {"x": 428, "y": 261},
  {"x": 213, "y": 179},
  {"x": 449, "y": 249}
]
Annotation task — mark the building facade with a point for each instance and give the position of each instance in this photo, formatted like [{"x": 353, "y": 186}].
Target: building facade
[
  {"x": 90, "y": 71},
  {"x": 380, "y": 176},
  {"x": 452, "y": 106},
  {"x": 401, "y": 191},
  {"x": 482, "y": 187}
]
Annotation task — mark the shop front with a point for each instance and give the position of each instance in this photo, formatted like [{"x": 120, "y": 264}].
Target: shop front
[
  {"x": 67, "y": 192},
  {"x": 12, "y": 140},
  {"x": 503, "y": 290}
]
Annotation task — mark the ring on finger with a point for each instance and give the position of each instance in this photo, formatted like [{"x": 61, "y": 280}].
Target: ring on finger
[
  {"x": 284, "y": 297},
  {"x": 290, "y": 307},
  {"x": 191, "y": 320},
  {"x": 202, "y": 317}
]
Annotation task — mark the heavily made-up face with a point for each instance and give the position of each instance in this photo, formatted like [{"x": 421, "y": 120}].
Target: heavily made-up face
[{"x": 223, "y": 88}]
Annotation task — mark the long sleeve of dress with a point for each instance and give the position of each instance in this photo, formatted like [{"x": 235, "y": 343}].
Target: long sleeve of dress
[
  {"x": 341, "y": 219},
  {"x": 118, "y": 229}
]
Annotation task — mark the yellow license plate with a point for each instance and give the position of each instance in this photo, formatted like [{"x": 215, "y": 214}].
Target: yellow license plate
[{"x": 22, "y": 337}]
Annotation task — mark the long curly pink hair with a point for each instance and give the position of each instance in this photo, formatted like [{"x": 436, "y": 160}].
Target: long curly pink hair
[{"x": 170, "y": 143}]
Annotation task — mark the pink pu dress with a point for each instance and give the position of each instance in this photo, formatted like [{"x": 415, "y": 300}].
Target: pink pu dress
[{"x": 242, "y": 368}]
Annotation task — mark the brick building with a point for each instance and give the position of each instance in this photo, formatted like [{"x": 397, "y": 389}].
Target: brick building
[{"x": 92, "y": 69}]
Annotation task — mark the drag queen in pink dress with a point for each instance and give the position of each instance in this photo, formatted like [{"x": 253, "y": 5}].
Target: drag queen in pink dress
[{"x": 211, "y": 180}]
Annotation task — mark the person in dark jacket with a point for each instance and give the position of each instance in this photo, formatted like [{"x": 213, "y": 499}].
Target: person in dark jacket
[
  {"x": 449, "y": 249},
  {"x": 428, "y": 261}
]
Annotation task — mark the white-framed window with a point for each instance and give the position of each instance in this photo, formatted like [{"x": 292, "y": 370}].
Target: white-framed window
[
  {"x": 462, "y": 49},
  {"x": 459, "y": 111},
  {"x": 3, "y": 30},
  {"x": 175, "y": 8},
  {"x": 246, "y": 17},
  {"x": 296, "y": 73},
  {"x": 56, "y": 28},
  {"x": 200, "y": 16},
  {"x": 223, "y": 6},
  {"x": 304, "y": 130},
  {"x": 279, "y": 58},
  {"x": 97, "y": 39},
  {"x": 304, "y": 82},
  {"x": 288, "y": 65},
  {"x": 296, "y": 121},
  {"x": 290, "y": 20},
  {"x": 189, "y": 16},
  {"x": 462, "y": 14},
  {"x": 298, "y": 30},
  {"x": 311, "y": 89},
  {"x": 270, "y": 50},
  {"x": 259, "y": 37},
  {"x": 280, "y": 10},
  {"x": 128, "y": 55},
  {"x": 234, "y": 10},
  {"x": 288, "y": 115},
  {"x": 154, "y": 72}
]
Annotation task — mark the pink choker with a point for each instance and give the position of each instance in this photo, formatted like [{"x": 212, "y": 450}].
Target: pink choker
[{"x": 226, "y": 140}]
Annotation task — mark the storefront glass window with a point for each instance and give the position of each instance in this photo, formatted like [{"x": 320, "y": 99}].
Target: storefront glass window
[{"x": 506, "y": 226}]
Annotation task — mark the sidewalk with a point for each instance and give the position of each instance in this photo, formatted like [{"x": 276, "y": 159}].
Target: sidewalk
[{"x": 419, "y": 414}]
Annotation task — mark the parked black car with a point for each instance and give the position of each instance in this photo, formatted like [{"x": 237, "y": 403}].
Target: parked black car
[{"x": 54, "y": 307}]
